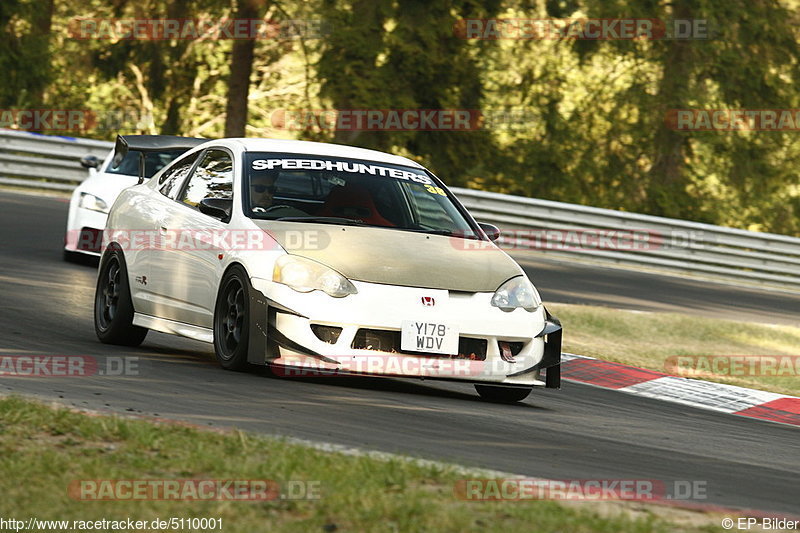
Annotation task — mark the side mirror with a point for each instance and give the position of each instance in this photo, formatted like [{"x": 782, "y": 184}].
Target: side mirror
[
  {"x": 90, "y": 161},
  {"x": 216, "y": 207},
  {"x": 491, "y": 231}
]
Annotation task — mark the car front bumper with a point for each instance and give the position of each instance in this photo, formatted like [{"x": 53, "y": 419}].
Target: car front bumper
[
  {"x": 85, "y": 232},
  {"x": 313, "y": 334}
]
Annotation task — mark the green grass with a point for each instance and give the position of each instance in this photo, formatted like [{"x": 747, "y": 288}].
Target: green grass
[
  {"x": 647, "y": 340},
  {"x": 44, "y": 448}
]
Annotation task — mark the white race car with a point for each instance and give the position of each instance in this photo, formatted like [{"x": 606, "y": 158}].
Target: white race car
[
  {"x": 91, "y": 200},
  {"x": 321, "y": 259}
]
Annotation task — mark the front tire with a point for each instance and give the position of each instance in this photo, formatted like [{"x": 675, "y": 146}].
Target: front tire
[
  {"x": 496, "y": 394},
  {"x": 232, "y": 320},
  {"x": 113, "y": 309}
]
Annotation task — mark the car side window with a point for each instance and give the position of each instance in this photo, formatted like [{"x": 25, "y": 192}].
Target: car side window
[
  {"x": 170, "y": 181},
  {"x": 213, "y": 178}
]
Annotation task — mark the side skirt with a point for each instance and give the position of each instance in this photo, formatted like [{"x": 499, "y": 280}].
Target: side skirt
[{"x": 176, "y": 328}]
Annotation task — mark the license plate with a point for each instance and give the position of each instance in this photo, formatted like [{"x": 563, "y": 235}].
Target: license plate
[{"x": 429, "y": 337}]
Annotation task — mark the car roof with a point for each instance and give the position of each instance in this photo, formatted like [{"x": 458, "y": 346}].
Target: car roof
[{"x": 317, "y": 148}]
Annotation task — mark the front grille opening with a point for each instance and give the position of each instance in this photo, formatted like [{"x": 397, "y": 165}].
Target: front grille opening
[
  {"x": 389, "y": 341},
  {"x": 469, "y": 348},
  {"x": 90, "y": 240},
  {"x": 377, "y": 339},
  {"x": 329, "y": 334},
  {"x": 515, "y": 347}
]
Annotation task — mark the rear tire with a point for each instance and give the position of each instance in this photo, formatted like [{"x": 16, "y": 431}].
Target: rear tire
[
  {"x": 492, "y": 393},
  {"x": 232, "y": 320},
  {"x": 113, "y": 309}
]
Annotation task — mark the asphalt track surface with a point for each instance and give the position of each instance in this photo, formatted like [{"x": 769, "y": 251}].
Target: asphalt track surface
[{"x": 579, "y": 432}]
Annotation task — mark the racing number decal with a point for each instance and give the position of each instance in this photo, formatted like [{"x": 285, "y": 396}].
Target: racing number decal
[{"x": 435, "y": 190}]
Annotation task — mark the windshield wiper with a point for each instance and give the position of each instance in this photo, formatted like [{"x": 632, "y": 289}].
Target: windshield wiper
[
  {"x": 325, "y": 220},
  {"x": 447, "y": 232},
  {"x": 431, "y": 231},
  {"x": 351, "y": 222}
]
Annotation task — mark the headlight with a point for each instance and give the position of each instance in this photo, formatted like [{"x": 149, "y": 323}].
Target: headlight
[
  {"x": 517, "y": 292},
  {"x": 93, "y": 203},
  {"x": 305, "y": 275}
]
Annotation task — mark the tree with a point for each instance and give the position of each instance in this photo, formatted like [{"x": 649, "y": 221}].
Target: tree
[
  {"x": 25, "y": 52},
  {"x": 241, "y": 70},
  {"x": 405, "y": 55},
  {"x": 603, "y": 137},
  {"x": 733, "y": 68}
]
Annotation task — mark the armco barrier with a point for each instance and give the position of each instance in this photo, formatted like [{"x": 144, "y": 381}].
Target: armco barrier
[
  {"x": 45, "y": 161},
  {"x": 682, "y": 246}
]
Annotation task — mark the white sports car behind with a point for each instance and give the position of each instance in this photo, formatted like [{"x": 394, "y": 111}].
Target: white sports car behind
[
  {"x": 91, "y": 200},
  {"x": 321, "y": 259}
]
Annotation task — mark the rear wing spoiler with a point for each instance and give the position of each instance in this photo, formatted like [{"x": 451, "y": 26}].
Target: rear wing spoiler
[{"x": 150, "y": 143}]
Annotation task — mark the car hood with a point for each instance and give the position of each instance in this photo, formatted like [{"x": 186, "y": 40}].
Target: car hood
[{"x": 394, "y": 257}]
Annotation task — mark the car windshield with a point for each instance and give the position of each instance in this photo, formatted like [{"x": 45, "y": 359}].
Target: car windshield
[
  {"x": 323, "y": 189},
  {"x": 153, "y": 162}
]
